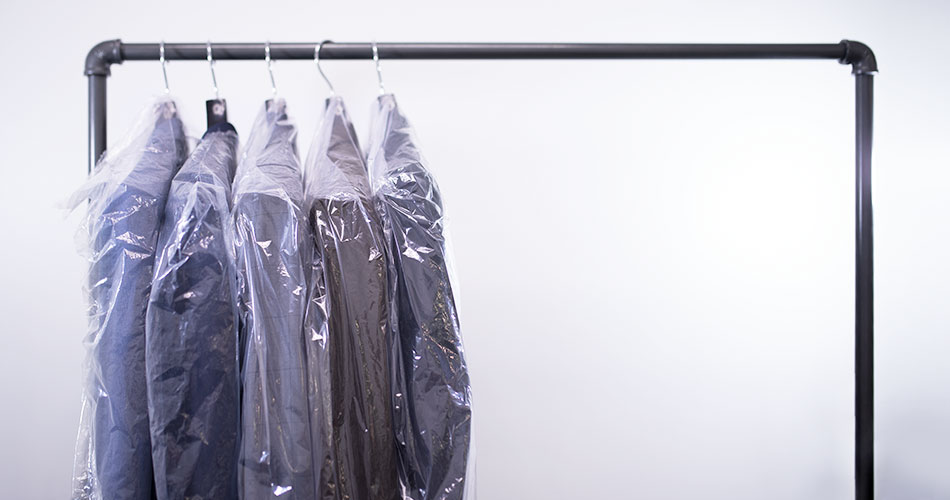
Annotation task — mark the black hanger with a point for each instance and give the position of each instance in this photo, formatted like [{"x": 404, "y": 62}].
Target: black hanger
[{"x": 217, "y": 108}]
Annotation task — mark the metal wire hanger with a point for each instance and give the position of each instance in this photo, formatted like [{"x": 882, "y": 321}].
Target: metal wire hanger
[
  {"x": 270, "y": 68},
  {"x": 316, "y": 60},
  {"x": 214, "y": 79},
  {"x": 161, "y": 58},
  {"x": 379, "y": 70}
]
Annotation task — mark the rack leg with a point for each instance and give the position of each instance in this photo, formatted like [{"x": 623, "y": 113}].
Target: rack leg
[
  {"x": 97, "y": 118},
  {"x": 864, "y": 293}
]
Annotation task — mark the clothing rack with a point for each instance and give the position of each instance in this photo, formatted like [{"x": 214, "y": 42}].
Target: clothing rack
[{"x": 856, "y": 54}]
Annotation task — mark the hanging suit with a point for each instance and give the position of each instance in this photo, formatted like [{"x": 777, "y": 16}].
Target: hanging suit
[
  {"x": 271, "y": 237},
  {"x": 127, "y": 196},
  {"x": 432, "y": 395},
  {"x": 191, "y": 331},
  {"x": 349, "y": 243}
]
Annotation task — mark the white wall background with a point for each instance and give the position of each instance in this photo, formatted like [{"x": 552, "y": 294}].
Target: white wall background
[{"x": 656, "y": 258}]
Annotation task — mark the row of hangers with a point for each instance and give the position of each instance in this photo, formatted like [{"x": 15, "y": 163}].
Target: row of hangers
[{"x": 217, "y": 108}]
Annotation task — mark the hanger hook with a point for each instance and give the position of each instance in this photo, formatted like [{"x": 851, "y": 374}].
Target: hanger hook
[
  {"x": 161, "y": 57},
  {"x": 316, "y": 60},
  {"x": 270, "y": 67},
  {"x": 379, "y": 71},
  {"x": 214, "y": 80}
]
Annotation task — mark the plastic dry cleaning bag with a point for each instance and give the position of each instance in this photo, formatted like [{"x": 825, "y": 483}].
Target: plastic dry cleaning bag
[
  {"x": 191, "y": 330},
  {"x": 271, "y": 237},
  {"x": 127, "y": 194},
  {"x": 432, "y": 395},
  {"x": 352, "y": 293}
]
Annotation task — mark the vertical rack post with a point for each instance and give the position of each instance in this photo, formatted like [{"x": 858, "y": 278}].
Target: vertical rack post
[
  {"x": 100, "y": 58},
  {"x": 97, "y": 118},
  {"x": 864, "y": 292}
]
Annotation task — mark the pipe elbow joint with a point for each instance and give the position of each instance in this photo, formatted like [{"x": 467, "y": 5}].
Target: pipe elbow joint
[
  {"x": 102, "y": 56},
  {"x": 859, "y": 56}
]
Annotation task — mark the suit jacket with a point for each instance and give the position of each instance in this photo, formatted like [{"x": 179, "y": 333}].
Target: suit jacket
[
  {"x": 277, "y": 449},
  {"x": 125, "y": 212},
  {"x": 191, "y": 331},
  {"x": 354, "y": 294},
  {"x": 433, "y": 398}
]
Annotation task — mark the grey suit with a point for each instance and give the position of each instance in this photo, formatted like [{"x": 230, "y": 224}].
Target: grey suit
[{"x": 276, "y": 448}]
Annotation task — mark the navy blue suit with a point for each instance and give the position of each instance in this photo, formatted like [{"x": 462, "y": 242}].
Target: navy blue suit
[
  {"x": 124, "y": 227},
  {"x": 192, "y": 346}
]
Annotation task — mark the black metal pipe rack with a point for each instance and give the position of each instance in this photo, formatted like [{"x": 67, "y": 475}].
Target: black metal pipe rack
[{"x": 856, "y": 54}]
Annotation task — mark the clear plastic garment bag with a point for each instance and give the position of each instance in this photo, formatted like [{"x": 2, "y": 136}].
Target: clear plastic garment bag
[
  {"x": 431, "y": 388},
  {"x": 271, "y": 241},
  {"x": 351, "y": 294},
  {"x": 127, "y": 193},
  {"x": 191, "y": 330}
]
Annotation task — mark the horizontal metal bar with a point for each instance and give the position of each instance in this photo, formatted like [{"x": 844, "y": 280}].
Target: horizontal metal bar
[
  {"x": 330, "y": 50},
  {"x": 847, "y": 52},
  {"x": 111, "y": 52}
]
